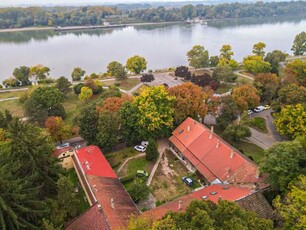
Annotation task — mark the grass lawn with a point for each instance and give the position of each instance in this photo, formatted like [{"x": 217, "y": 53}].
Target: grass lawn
[
  {"x": 84, "y": 205},
  {"x": 199, "y": 72},
  {"x": 168, "y": 187},
  {"x": 243, "y": 80},
  {"x": 250, "y": 150},
  {"x": 10, "y": 94},
  {"x": 258, "y": 123},
  {"x": 125, "y": 85},
  {"x": 224, "y": 88},
  {"x": 117, "y": 158},
  {"x": 14, "y": 106}
]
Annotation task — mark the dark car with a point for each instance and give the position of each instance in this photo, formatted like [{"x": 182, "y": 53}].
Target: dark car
[{"x": 188, "y": 181}]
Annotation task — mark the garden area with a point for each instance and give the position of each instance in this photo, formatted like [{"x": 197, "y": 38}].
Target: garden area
[
  {"x": 252, "y": 151},
  {"x": 167, "y": 182},
  {"x": 258, "y": 123}
]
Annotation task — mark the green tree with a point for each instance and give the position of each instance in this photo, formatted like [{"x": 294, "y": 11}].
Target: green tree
[
  {"x": 198, "y": 57},
  {"x": 234, "y": 133},
  {"x": 88, "y": 123},
  {"x": 5, "y": 118},
  {"x": 292, "y": 205},
  {"x": 299, "y": 44},
  {"x": 292, "y": 94},
  {"x": 136, "y": 64},
  {"x": 274, "y": 58},
  {"x": 63, "y": 85},
  {"x": 223, "y": 73},
  {"x": 229, "y": 112},
  {"x": 245, "y": 96},
  {"x": 151, "y": 151},
  {"x": 108, "y": 129},
  {"x": 77, "y": 88},
  {"x": 86, "y": 93},
  {"x": 138, "y": 191},
  {"x": 22, "y": 74},
  {"x": 213, "y": 61},
  {"x": 267, "y": 85},
  {"x": 164, "y": 224},
  {"x": 116, "y": 70},
  {"x": 284, "y": 162},
  {"x": 40, "y": 72},
  {"x": 226, "y": 52},
  {"x": 258, "y": 49},
  {"x": 255, "y": 64},
  {"x": 291, "y": 121},
  {"x": 77, "y": 74}
]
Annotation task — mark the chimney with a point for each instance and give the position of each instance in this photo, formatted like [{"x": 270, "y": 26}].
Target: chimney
[
  {"x": 257, "y": 173},
  {"x": 180, "y": 205},
  {"x": 218, "y": 143},
  {"x": 219, "y": 198},
  {"x": 188, "y": 128},
  {"x": 99, "y": 207},
  {"x": 232, "y": 153},
  {"x": 112, "y": 203},
  {"x": 211, "y": 131}
]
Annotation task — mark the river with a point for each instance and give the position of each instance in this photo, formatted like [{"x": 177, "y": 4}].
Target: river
[{"x": 162, "y": 45}]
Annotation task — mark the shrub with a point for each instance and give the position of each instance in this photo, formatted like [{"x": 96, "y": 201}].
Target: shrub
[
  {"x": 258, "y": 123},
  {"x": 138, "y": 191},
  {"x": 127, "y": 179},
  {"x": 151, "y": 152}
]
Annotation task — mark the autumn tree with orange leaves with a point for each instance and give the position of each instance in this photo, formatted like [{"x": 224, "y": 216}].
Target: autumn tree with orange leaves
[
  {"x": 113, "y": 104},
  {"x": 57, "y": 128},
  {"x": 190, "y": 101},
  {"x": 246, "y": 97}
]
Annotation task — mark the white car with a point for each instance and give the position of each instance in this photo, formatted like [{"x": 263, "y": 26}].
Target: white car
[
  {"x": 140, "y": 148},
  {"x": 250, "y": 111},
  {"x": 144, "y": 143},
  {"x": 259, "y": 109}
]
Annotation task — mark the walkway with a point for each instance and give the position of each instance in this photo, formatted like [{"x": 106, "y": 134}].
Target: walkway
[
  {"x": 243, "y": 75},
  {"x": 263, "y": 140},
  {"x": 9, "y": 99},
  {"x": 128, "y": 159},
  {"x": 163, "y": 144}
]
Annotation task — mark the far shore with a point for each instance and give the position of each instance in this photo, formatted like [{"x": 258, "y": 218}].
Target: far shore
[{"x": 83, "y": 27}]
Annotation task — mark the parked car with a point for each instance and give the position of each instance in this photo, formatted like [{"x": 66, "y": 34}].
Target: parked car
[
  {"x": 250, "y": 111},
  {"x": 267, "y": 106},
  {"x": 144, "y": 143},
  {"x": 188, "y": 181},
  {"x": 142, "y": 173},
  {"x": 64, "y": 145},
  {"x": 259, "y": 109},
  {"x": 140, "y": 148}
]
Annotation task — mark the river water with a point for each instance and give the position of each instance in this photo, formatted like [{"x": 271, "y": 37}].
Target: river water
[{"x": 162, "y": 45}]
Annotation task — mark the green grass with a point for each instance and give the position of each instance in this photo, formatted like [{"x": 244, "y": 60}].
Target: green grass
[
  {"x": 250, "y": 150},
  {"x": 243, "y": 80},
  {"x": 258, "y": 123},
  {"x": 137, "y": 164},
  {"x": 224, "y": 88},
  {"x": 84, "y": 205},
  {"x": 10, "y": 94},
  {"x": 14, "y": 106},
  {"x": 118, "y": 157},
  {"x": 125, "y": 85}
]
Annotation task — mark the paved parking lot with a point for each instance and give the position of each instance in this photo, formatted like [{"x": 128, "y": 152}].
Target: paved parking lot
[{"x": 161, "y": 78}]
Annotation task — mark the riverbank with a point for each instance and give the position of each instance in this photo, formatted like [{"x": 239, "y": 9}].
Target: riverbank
[{"x": 88, "y": 27}]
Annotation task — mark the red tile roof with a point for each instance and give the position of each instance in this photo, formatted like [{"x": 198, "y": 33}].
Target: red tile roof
[
  {"x": 104, "y": 188},
  {"x": 94, "y": 163},
  {"x": 211, "y": 155},
  {"x": 225, "y": 192}
]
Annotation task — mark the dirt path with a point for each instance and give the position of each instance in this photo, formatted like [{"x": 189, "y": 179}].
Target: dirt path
[
  {"x": 128, "y": 159},
  {"x": 162, "y": 145}
]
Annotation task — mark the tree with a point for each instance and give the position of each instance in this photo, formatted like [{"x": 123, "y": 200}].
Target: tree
[
  {"x": 198, "y": 57},
  {"x": 22, "y": 74},
  {"x": 284, "y": 162},
  {"x": 223, "y": 73},
  {"x": 292, "y": 206},
  {"x": 136, "y": 64},
  {"x": 183, "y": 72},
  {"x": 113, "y": 104},
  {"x": 245, "y": 97},
  {"x": 88, "y": 123},
  {"x": 63, "y": 85},
  {"x": 57, "y": 128},
  {"x": 95, "y": 85},
  {"x": 204, "y": 80},
  {"x": 299, "y": 44},
  {"x": 154, "y": 112},
  {"x": 229, "y": 112},
  {"x": 138, "y": 191},
  {"x": 225, "y": 62},
  {"x": 267, "y": 85},
  {"x": 86, "y": 93},
  {"x": 108, "y": 129},
  {"x": 151, "y": 151},
  {"x": 234, "y": 133},
  {"x": 226, "y": 52},
  {"x": 255, "y": 64},
  {"x": 77, "y": 88},
  {"x": 5, "y": 118},
  {"x": 190, "y": 102},
  {"x": 117, "y": 70},
  {"x": 295, "y": 72},
  {"x": 213, "y": 61},
  {"x": 40, "y": 72},
  {"x": 147, "y": 78},
  {"x": 77, "y": 74},
  {"x": 274, "y": 58},
  {"x": 258, "y": 49},
  {"x": 291, "y": 120},
  {"x": 292, "y": 94}
]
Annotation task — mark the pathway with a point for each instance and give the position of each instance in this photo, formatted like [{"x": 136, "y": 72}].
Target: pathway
[
  {"x": 128, "y": 159},
  {"x": 163, "y": 144},
  {"x": 243, "y": 75},
  {"x": 263, "y": 140},
  {"x": 9, "y": 99}
]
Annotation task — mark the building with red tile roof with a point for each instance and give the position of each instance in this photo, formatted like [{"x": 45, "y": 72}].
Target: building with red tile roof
[
  {"x": 111, "y": 205},
  {"x": 201, "y": 149}
]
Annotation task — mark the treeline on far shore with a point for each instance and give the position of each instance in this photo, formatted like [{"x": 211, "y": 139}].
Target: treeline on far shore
[{"x": 97, "y": 15}]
